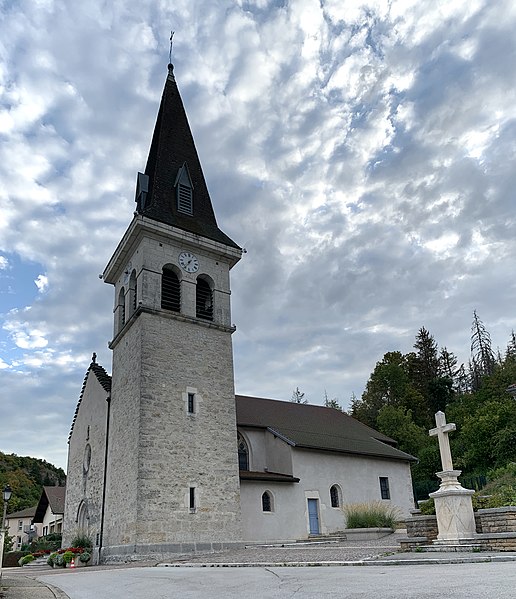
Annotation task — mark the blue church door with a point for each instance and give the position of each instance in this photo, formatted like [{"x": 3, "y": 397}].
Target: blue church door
[{"x": 313, "y": 516}]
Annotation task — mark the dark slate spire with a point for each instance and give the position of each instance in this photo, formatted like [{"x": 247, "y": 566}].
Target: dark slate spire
[{"x": 171, "y": 149}]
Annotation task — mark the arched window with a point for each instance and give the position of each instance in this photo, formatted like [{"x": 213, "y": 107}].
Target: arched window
[
  {"x": 121, "y": 309},
  {"x": 170, "y": 290},
  {"x": 133, "y": 292},
  {"x": 83, "y": 516},
  {"x": 335, "y": 496},
  {"x": 243, "y": 454},
  {"x": 203, "y": 300},
  {"x": 267, "y": 504}
]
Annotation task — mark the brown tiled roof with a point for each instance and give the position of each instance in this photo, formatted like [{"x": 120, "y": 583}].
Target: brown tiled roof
[
  {"x": 269, "y": 476},
  {"x": 316, "y": 427},
  {"x": 53, "y": 496},
  {"x": 172, "y": 146},
  {"x": 103, "y": 378},
  {"x": 28, "y": 512}
]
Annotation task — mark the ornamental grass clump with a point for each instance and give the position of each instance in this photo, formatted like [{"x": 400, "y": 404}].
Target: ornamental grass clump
[
  {"x": 81, "y": 539},
  {"x": 371, "y": 515}
]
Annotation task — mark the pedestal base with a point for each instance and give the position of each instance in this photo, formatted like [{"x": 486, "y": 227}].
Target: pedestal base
[{"x": 454, "y": 510}]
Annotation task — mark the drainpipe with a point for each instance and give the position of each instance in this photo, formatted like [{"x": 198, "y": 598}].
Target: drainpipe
[{"x": 101, "y": 536}]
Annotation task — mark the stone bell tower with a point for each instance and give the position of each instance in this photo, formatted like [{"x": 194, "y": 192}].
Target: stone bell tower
[{"x": 172, "y": 465}]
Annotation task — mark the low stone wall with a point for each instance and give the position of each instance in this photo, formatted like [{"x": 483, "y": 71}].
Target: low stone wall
[
  {"x": 496, "y": 520},
  {"x": 495, "y": 527},
  {"x": 422, "y": 526}
]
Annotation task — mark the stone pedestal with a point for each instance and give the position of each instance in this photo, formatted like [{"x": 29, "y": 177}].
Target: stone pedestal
[{"x": 454, "y": 510}]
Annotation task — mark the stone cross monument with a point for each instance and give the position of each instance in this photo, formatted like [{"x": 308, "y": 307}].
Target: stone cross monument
[{"x": 453, "y": 507}]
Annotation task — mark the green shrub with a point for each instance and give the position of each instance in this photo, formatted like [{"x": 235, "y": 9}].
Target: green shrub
[
  {"x": 59, "y": 560},
  {"x": 371, "y": 515},
  {"x": 81, "y": 539},
  {"x": 68, "y": 556},
  {"x": 51, "y": 560},
  {"x": 50, "y": 542},
  {"x": 26, "y": 559},
  {"x": 84, "y": 557},
  {"x": 427, "y": 507}
]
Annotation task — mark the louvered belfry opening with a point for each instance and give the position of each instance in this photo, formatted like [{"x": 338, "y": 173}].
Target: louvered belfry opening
[
  {"x": 204, "y": 300},
  {"x": 170, "y": 290},
  {"x": 184, "y": 199}
]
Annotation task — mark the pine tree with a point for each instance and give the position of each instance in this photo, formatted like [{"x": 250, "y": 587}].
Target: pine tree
[
  {"x": 482, "y": 355},
  {"x": 297, "y": 396}
]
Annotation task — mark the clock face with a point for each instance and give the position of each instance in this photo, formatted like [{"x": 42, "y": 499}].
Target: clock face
[{"x": 188, "y": 262}]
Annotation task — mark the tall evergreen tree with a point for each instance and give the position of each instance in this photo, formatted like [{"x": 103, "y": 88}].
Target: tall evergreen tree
[
  {"x": 298, "y": 396},
  {"x": 482, "y": 355}
]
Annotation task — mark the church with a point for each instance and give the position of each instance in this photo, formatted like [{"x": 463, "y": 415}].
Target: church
[{"x": 164, "y": 458}]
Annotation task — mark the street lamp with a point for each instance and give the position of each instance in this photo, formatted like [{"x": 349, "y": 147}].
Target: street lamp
[{"x": 6, "y": 493}]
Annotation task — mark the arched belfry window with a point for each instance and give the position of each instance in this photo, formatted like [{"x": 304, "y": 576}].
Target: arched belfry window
[
  {"x": 203, "y": 300},
  {"x": 121, "y": 308},
  {"x": 170, "y": 290},
  {"x": 184, "y": 190},
  {"x": 335, "y": 496},
  {"x": 133, "y": 293},
  {"x": 243, "y": 454}
]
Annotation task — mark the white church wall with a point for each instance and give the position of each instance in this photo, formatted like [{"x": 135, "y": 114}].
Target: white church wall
[
  {"x": 85, "y": 472},
  {"x": 358, "y": 479}
]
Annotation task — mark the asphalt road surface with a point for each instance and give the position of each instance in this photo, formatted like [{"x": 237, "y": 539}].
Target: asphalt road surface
[{"x": 427, "y": 581}]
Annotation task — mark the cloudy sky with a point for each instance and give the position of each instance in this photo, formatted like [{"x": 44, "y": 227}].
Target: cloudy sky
[{"x": 363, "y": 152}]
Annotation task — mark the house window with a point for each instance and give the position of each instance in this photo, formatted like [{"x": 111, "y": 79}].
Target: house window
[
  {"x": 121, "y": 309},
  {"x": 243, "y": 454},
  {"x": 45, "y": 531},
  {"x": 20, "y": 524},
  {"x": 192, "y": 499},
  {"x": 384, "y": 487},
  {"x": 267, "y": 502},
  {"x": 191, "y": 403},
  {"x": 203, "y": 300},
  {"x": 170, "y": 290},
  {"x": 335, "y": 496},
  {"x": 19, "y": 542}
]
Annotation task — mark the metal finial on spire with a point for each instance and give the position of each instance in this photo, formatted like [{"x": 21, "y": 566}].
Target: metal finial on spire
[
  {"x": 171, "y": 43},
  {"x": 94, "y": 358}
]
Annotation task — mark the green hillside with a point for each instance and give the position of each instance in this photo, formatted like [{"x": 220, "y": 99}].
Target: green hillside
[{"x": 27, "y": 476}]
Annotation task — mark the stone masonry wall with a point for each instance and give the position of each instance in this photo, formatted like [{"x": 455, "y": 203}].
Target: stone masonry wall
[
  {"x": 422, "y": 526},
  {"x": 85, "y": 475},
  {"x": 497, "y": 520}
]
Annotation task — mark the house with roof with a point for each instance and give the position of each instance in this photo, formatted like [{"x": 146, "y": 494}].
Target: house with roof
[
  {"x": 48, "y": 517},
  {"x": 21, "y": 528},
  {"x": 164, "y": 458}
]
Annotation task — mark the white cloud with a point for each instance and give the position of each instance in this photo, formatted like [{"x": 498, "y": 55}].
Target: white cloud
[
  {"x": 41, "y": 283},
  {"x": 362, "y": 152}
]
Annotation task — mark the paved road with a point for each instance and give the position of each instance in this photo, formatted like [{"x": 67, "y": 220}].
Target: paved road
[{"x": 451, "y": 581}]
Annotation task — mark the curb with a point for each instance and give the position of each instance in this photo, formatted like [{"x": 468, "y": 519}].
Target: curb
[{"x": 370, "y": 562}]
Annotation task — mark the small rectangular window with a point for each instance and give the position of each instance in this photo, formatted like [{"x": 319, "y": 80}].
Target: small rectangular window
[
  {"x": 20, "y": 524},
  {"x": 384, "y": 487},
  {"x": 191, "y": 403},
  {"x": 192, "y": 499}
]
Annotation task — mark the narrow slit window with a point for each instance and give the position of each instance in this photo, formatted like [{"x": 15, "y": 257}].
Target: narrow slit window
[
  {"x": 191, "y": 403},
  {"x": 170, "y": 291},
  {"x": 192, "y": 499}
]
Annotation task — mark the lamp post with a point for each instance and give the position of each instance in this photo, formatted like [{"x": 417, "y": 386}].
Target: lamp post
[{"x": 6, "y": 493}]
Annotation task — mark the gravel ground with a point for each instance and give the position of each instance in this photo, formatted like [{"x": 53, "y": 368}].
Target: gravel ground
[{"x": 300, "y": 552}]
